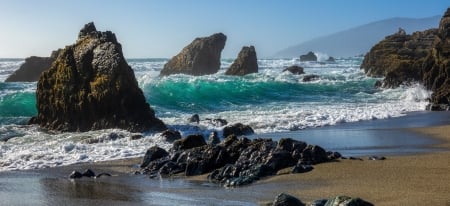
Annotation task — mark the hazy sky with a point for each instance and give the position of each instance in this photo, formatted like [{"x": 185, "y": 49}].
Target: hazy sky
[{"x": 147, "y": 28}]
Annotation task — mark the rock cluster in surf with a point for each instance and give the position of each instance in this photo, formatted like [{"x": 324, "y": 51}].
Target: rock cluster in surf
[
  {"x": 310, "y": 56},
  {"x": 201, "y": 57},
  {"x": 32, "y": 68},
  {"x": 245, "y": 63},
  {"x": 420, "y": 57},
  {"x": 90, "y": 86}
]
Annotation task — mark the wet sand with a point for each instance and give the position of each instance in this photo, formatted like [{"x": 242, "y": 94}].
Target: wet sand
[{"x": 421, "y": 179}]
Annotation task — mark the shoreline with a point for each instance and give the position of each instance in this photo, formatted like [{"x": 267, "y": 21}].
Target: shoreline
[{"x": 401, "y": 179}]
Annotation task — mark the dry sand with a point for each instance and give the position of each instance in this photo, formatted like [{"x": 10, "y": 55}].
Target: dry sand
[{"x": 422, "y": 179}]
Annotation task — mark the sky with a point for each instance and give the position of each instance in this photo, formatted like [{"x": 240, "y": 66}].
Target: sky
[{"x": 161, "y": 28}]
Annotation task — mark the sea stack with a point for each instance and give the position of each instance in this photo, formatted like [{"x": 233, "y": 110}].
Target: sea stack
[
  {"x": 310, "y": 56},
  {"x": 90, "y": 86},
  {"x": 246, "y": 62},
  {"x": 201, "y": 57},
  {"x": 32, "y": 68}
]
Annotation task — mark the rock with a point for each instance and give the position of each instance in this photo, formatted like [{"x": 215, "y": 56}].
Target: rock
[
  {"x": 75, "y": 175},
  {"x": 189, "y": 142},
  {"x": 378, "y": 84},
  {"x": 103, "y": 174},
  {"x": 313, "y": 154},
  {"x": 377, "y": 158},
  {"x": 320, "y": 202},
  {"x": 153, "y": 153},
  {"x": 295, "y": 70},
  {"x": 31, "y": 69},
  {"x": 90, "y": 86},
  {"x": 201, "y": 57},
  {"x": 217, "y": 122},
  {"x": 310, "y": 77},
  {"x": 171, "y": 135},
  {"x": 245, "y": 63},
  {"x": 436, "y": 67},
  {"x": 88, "y": 173},
  {"x": 213, "y": 138},
  {"x": 284, "y": 199},
  {"x": 237, "y": 129},
  {"x": 194, "y": 118},
  {"x": 347, "y": 201},
  {"x": 301, "y": 168},
  {"x": 310, "y": 56},
  {"x": 331, "y": 59},
  {"x": 136, "y": 137}
]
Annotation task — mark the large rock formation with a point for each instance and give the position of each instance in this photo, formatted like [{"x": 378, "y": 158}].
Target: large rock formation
[
  {"x": 90, "y": 86},
  {"x": 310, "y": 56},
  {"x": 32, "y": 68},
  {"x": 422, "y": 57},
  {"x": 246, "y": 62},
  {"x": 201, "y": 57},
  {"x": 436, "y": 67}
]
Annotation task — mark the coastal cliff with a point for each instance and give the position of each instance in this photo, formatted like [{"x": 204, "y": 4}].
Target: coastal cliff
[
  {"x": 420, "y": 57},
  {"x": 90, "y": 86}
]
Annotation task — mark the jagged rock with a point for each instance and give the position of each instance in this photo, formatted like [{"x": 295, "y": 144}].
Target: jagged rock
[
  {"x": 32, "y": 68},
  {"x": 201, "y": 57},
  {"x": 295, "y": 70},
  {"x": 88, "y": 173},
  {"x": 302, "y": 168},
  {"x": 347, "y": 201},
  {"x": 284, "y": 199},
  {"x": 153, "y": 153},
  {"x": 237, "y": 129},
  {"x": 234, "y": 162},
  {"x": 436, "y": 67},
  {"x": 189, "y": 142},
  {"x": 310, "y": 77},
  {"x": 75, "y": 175},
  {"x": 245, "y": 63},
  {"x": 90, "y": 86},
  {"x": 310, "y": 56},
  {"x": 213, "y": 138},
  {"x": 171, "y": 135},
  {"x": 194, "y": 118}
]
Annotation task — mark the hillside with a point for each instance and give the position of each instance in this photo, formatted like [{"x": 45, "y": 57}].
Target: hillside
[{"x": 358, "y": 40}]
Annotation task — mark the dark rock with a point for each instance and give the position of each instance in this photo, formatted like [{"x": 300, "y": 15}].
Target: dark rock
[
  {"x": 153, "y": 153},
  {"x": 284, "y": 199},
  {"x": 437, "y": 107},
  {"x": 334, "y": 155},
  {"x": 310, "y": 77},
  {"x": 194, "y": 118},
  {"x": 378, "y": 84},
  {"x": 88, "y": 173},
  {"x": 201, "y": 57},
  {"x": 31, "y": 69},
  {"x": 355, "y": 158},
  {"x": 217, "y": 122},
  {"x": 321, "y": 202},
  {"x": 136, "y": 137},
  {"x": 245, "y": 63},
  {"x": 75, "y": 175},
  {"x": 237, "y": 129},
  {"x": 171, "y": 135},
  {"x": 213, "y": 138},
  {"x": 314, "y": 154},
  {"x": 295, "y": 70},
  {"x": 331, "y": 59},
  {"x": 310, "y": 56},
  {"x": 347, "y": 201},
  {"x": 301, "y": 168},
  {"x": 189, "y": 142},
  {"x": 103, "y": 174},
  {"x": 90, "y": 86},
  {"x": 377, "y": 158}
]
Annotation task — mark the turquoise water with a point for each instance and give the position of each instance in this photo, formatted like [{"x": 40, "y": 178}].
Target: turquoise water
[{"x": 272, "y": 102}]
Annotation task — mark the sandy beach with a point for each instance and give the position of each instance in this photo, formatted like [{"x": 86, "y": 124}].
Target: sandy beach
[{"x": 421, "y": 179}]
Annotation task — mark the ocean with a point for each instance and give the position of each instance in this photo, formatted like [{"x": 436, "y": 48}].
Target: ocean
[{"x": 272, "y": 102}]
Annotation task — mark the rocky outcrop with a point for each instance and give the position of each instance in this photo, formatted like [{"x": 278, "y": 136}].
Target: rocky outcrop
[
  {"x": 436, "y": 67},
  {"x": 201, "y": 57},
  {"x": 310, "y": 77},
  {"x": 237, "y": 129},
  {"x": 236, "y": 161},
  {"x": 399, "y": 57},
  {"x": 32, "y": 68},
  {"x": 246, "y": 62},
  {"x": 284, "y": 199},
  {"x": 90, "y": 86},
  {"x": 295, "y": 70},
  {"x": 310, "y": 56},
  {"x": 421, "y": 57}
]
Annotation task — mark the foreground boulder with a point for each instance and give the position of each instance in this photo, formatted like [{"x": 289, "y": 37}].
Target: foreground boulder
[
  {"x": 284, "y": 199},
  {"x": 237, "y": 129},
  {"x": 32, "y": 68},
  {"x": 310, "y": 56},
  {"x": 201, "y": 57},
  {"x": 246, "y": 62},
  {"x": 235, "y": 161},
  {"x": 297, "y": 70},
  {"x": 90, "y": 86}
]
